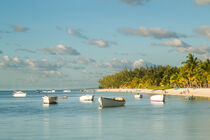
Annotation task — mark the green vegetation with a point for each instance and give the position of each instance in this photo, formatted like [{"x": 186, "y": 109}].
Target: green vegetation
[{"x": 193, "y": 73}]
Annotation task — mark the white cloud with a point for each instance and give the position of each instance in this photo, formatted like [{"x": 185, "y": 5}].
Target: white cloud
[
  {"x": 59, "y": 49},
  {"x": 82, "y": 60},
  {"x": 118, "y": 65},
  {"x": 31, "y": 65},
  {"x": 203, "y": 50},
  {"x": 6, "y": 58},
  {"x": 86, "y": 72},
  {"x": 200, "y": 50},
  {"x": 76, "y": 33},
  {"x": 19, "y": 28},
  {"x": 133, "y": 2},
  {"x": 157, "y": 33},
  {"x": 174, "y": 43},
  {"x": 202, "y": 2},
  {"x": 25, "y": 50},
  {"x": 203, "y": 30},
  {"x": 138, "y": 63},
  {"x": 100, "y": 43}
]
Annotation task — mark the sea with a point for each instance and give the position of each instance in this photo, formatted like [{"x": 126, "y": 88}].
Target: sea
[{"x": 29, "y": 119}]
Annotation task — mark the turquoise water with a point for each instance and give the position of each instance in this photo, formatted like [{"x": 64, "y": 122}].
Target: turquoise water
[{"x": 28, "y": 119}]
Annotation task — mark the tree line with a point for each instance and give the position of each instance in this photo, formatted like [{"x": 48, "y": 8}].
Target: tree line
[{"x": 193, "y": 73}]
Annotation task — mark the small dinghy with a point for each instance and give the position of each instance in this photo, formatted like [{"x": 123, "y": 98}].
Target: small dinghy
[
  {"x": 87, "y": 97},
  {"x": 111, "y": 102},
  {"x": 189, "y": 98},
  {"x": 50, "y": 99},
  {"x": 158, "y": 98},
  {"x": 138, "y": 96}
]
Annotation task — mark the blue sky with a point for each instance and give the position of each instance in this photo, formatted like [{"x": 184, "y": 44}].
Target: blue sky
[{"x": 73, "y": 43}]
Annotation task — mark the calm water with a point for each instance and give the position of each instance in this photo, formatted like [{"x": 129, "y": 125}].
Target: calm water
[{"x": 28, "y": 119}]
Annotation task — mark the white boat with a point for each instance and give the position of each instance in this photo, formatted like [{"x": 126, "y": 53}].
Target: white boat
[
  {"x": 66, "y": 90},
  {"x": 158, "y": 98},
  {"x": 87, "y": 97},
  {"x": 50, "y": 99},
  {"x": 19, "y": 94},
  {"x": 111, "y": 102},
  {"x": 138, "y": 96},
  {"x": 53, "y": 91}
]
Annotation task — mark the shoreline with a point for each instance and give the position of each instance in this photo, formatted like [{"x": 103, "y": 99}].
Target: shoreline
[{"x": 196, "y": 92}]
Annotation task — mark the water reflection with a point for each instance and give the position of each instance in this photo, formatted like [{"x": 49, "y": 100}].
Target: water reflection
[
  {"x": 46, "y": 105},
  {"x": 158, "y": 104},
  {"x": 46, "y": 127},
  {"x": 86, "y": 102}
]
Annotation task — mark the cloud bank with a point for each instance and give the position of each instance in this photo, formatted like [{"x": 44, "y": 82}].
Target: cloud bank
[
  {"x": 202, "y": 2},
  {"x": 25, "y": 50},
  {"x": 203, "y": 31},
  {"x": 19, "y": 28},
  {"x": 133, "y": 2},
  {"x": 77, "y": 33},
  {"x": 100, "y": 43},
  {"x": 118, "y": 65},
  {"x": 173, "y": 43},
  {"x": 157, "y": 33},
  {"x": 59, "y": 49}
]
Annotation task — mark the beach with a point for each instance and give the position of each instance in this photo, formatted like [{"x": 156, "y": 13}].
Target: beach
[{"x": 197, "y": 92}]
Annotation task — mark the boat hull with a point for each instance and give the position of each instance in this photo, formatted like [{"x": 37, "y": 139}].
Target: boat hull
[
  {"x": 50, "y": 100},
  {"x": 87, "y": 98},
  {"x": 19, "y": 94},
  {"x": 157, "y": 98},
  {"x": 66, "y": 91},
  {"x": 110, "y": 102}
]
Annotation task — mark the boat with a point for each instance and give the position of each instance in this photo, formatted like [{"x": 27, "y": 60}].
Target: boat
[
  {"x": 158, "y": 98},
  {"x": 111, "y": 102},
  {"x": 66, "y": 90},
  {"x": 189, "y": 98},
  {"x": 53, "y": 91},
  {"x": 38, "y": 91},
  {"x": 19, "y": 94},
  {"x": 138, "y": 96},
  {"x": 44, "y": 91},
  {"x": 50, "y": 99},
  {"x": 87, "y": 97}
]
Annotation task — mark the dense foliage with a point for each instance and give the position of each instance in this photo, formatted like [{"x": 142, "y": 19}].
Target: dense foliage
[{"x": 193, "y": 73}]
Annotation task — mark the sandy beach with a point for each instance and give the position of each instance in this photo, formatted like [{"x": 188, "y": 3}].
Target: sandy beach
[{"x": 197, "y": 92}]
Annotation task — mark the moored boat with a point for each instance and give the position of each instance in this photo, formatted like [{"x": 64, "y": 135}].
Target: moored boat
[
  {"x": 138, "y": 96},
  {"x": 87, "y": 97},
  {"x": 53, "y": 91},
  {"x": 158, "y": 98},
  {"x": 66, "y": 90},
  {"x": 50, "y": 99},
  {"x": 111, "y": 102},
  {"x": 189, "y": 98},
  {"x": 38, "y": 91},
  {"x": 19, "y": 94}
]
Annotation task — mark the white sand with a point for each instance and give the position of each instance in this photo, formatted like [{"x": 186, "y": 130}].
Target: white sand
[{"x": 198, "y": 92}]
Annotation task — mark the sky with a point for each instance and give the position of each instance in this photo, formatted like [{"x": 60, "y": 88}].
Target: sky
[{"x": 57, "y": 44}]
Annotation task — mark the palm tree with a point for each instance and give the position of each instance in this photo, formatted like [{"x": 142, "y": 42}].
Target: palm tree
[
  {"x": 190, "y": 64},
  {"x": 205, "y": 67}
]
